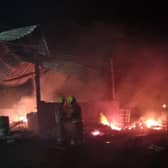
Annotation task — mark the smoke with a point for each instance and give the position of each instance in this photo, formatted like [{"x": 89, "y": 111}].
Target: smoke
[
  {"x": 142, "y": 72},
  {"x": 21, "y": 107},
  {"x": 55, "y": 83},
  {"x": 90, "y": 47}
]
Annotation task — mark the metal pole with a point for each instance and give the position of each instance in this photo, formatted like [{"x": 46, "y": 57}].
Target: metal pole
[
  {"x": 37, "y": 89},
  {"x": 112, "y": 78},
  {"x": 37, "y": 84}
]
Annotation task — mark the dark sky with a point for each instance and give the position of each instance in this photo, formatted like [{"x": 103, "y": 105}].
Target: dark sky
[{"x": 140, "y": 17}]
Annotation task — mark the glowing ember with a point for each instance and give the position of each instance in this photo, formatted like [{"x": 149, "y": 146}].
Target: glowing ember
[
  {"x": 112, "y": 125},
  {"x": 107, "y": 142},
  {"x": 96, "y": 133}
]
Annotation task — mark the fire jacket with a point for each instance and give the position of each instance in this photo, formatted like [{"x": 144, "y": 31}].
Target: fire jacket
[
  {"x": 59, "y": 113},
  {"x": 75, "y": 111}
]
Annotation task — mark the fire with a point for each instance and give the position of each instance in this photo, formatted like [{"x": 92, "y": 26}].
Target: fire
[
  {"x": 18, "y": 111},
  {"x": 23, "y": 119},
  {"x": 153, "y": 123},
  {"x": 105, "y": 121},
  {"x": 146, "y": 123},
  {"x": 115, "y": 127}
]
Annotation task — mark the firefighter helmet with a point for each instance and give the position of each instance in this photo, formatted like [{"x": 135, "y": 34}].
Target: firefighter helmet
[
  {"x": 71, "y": 99},
  {"x": 60, "y": 99}
]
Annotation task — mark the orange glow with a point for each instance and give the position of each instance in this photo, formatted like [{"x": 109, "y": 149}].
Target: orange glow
[
  {"x": 105, "y": 121},
  {"x": 23, "y": 119},
  {"x": 96, "y": 133},
  {"x": 18, "y": 112},
  {"x": 164, "y": 106},
  {"x": 115, "y": 127},
  {"x": 107, "y": 142},
  {"x": 145, "y": 123},
  {"x": 153, "y": 123}
]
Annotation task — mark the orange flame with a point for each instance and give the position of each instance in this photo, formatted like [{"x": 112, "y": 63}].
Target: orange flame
[
  {"x": 23, "y": 119},
  {"x": 153, "y": 123},
  {"x": 145, "y": 123},
  {"x": 149, "y": 123},
  {"x": 104, "y": 120},
  {"x": 112, "y": 125}
]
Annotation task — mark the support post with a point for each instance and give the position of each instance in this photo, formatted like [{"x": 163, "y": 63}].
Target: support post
[{"x": 37, "y": 89}]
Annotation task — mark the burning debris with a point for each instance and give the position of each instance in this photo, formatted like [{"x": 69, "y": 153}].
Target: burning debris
[{"x": 144, "y": 124}]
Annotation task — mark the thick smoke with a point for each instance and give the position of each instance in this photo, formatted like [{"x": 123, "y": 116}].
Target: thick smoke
[
  {"x": 54, "y": 84},
  {"x": 142, "y": 76}
]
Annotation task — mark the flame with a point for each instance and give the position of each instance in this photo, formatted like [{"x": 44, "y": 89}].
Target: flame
[
  {"x": 112, "y": 125},
  {"x": 149, "y": 123},
  {"x": 18, "y": 111},
  {"x": 23, "y": 119},
  {"x": 115, "y": 127},
  {"x": 145, "y": 123},
  {"x": 153, "y": 123},
  {"x": 104, "y": 120}
]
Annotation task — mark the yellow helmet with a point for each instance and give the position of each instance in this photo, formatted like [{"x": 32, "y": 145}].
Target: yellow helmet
[
  {"x": 70, "y": 99},
  {"x": 60, "y": 99}
]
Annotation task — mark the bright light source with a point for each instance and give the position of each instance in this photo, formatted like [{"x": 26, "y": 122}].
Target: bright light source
[
  {"x": 23, "y": 119},
  {"x": 152, "y": 123},
  {"x": 107, "y": 142},
  {"x": 164, "y": 106},
  {"x": 96, "y": 133},
  {"x": 105, "y": 121}
]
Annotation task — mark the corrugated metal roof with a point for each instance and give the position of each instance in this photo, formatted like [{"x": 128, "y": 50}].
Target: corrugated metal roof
[{"x": 17, "y": 33}]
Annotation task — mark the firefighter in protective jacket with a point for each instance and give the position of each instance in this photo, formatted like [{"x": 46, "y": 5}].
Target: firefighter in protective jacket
[{"x": 75, "y": 116}]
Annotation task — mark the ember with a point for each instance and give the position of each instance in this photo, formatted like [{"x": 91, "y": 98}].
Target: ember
[{"x": 96, "y": 133}]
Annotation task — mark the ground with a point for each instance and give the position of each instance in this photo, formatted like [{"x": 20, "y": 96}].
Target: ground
[{"x": 110, "y": 151}]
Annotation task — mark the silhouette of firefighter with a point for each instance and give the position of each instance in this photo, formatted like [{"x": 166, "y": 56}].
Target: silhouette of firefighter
[{"x": 73, "y": 122}]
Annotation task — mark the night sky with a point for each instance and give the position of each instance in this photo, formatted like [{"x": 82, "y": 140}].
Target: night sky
[{"x": 139, "y": 17}]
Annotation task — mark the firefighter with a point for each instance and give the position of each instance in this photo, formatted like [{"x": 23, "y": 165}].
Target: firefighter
[
  {"x": 59, "y": 113},
  {"x": 74, "y": 112}
]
